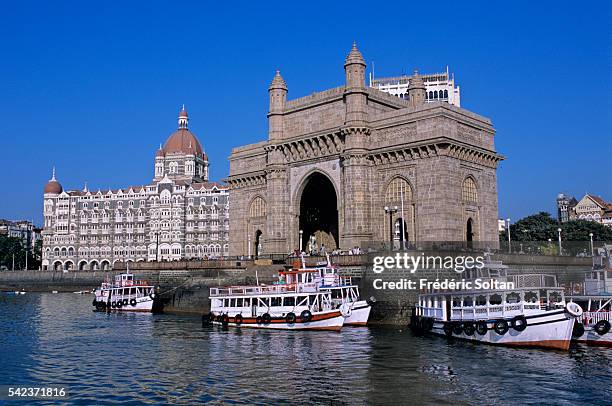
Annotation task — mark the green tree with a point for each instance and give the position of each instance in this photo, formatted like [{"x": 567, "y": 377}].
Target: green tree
[{"x": 9, "y": 247}]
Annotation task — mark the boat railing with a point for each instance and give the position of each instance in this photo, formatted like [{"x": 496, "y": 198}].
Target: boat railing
[
  {"x": 264, "y": 289},
  {"x": 532, "y": 280},
  {"x": 591, "y": 318},
  {"x": 484, "y": 311}
]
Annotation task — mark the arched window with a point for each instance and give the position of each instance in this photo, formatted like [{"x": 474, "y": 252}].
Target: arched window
[
  {"x": 469, "y": 193},
  {"x": 446, "y": 94},
  {"x": 258, "y": 208},
  {"x": 430, "y": 95},
  {"x": 397, "y": 189},
  {"x": 435, "y": 94}
]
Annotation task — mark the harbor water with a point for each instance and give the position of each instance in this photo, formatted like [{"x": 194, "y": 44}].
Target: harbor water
[{"x": 56, "y": 339}]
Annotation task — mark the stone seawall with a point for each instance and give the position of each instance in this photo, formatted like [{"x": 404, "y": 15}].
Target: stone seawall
[{"x": 47, "y": 281}]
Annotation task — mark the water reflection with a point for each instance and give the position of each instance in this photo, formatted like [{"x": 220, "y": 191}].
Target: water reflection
[{"x": 132, "y": 358}]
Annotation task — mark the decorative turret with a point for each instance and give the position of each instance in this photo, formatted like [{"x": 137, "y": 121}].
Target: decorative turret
[
  {"x": 354, "y": 68},
  {"x": 183, "y": 119},
  {"x": 53, "y": 187},
  {"x": 416, "y": 90},
  {"x": 355, "y": 92},
  {"x": 278, "y": 97}
]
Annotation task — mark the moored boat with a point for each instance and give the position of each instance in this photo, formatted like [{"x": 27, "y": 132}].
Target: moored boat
[
  {"x": 531, "y": 312},
  {"x": 124, "y": 294},
  {"x": 344, "y": 293},
  {"x": 594, "y": 327},
  {"x": 280, "y": 306}
]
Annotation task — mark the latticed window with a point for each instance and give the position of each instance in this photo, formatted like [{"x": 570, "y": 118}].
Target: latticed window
[
  {"x": 469, "y": 193},
  {"x": 258, "y": 208},
  {"x": 397, "y": 189}
]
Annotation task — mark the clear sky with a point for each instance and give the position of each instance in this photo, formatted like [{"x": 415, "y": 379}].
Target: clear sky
[{"x": 93, "y": 88}]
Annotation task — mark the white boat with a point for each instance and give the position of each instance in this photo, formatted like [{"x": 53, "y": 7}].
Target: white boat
[
  {"x": 594, "y": 327},
  {"x": 344, "y": 294},
  {"x": 125, "y": 294},
  {"x": 279, "y": 306},
  {"x": 530, "y": 313}
]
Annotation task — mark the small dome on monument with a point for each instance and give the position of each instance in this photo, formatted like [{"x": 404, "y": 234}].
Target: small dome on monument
[
  {"x": 278, "y": 82},
  {"x": 53, "y": 186},
  {"x": 354, "y": 56}
]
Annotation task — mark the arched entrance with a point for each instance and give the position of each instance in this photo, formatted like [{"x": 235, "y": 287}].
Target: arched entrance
[
  {"x": 319, "y": 214},
  {"x": 469, "y": 230},
  {"x": 105, "y": 265},
  {"x": 258, "y": 242},
  {"x": 401, "y": 238},
  {"x": 68, "y": 265},
  {"x": 82, "y": 265}
]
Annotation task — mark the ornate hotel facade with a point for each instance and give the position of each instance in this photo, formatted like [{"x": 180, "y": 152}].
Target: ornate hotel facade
[
  {"x": 335, "y": 159},
  {"x": 179, "y": 215}
]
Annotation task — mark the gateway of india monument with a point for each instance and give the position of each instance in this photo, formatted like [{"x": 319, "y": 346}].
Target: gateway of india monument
[{"x": 334, "y": 160}]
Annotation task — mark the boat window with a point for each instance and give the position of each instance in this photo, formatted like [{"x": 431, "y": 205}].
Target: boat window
[
  {"x": 481, "y": 300},
  {"x": 275, "y": 301},
  {"x": 495, "y": 299},
  {"x": 468, "y": 301},
  {"x": 239, "y": 302},
  {"x": 456, "y": 301},
  {"x": 232, "y": 303},
  {"x": 531, "y": 297},
  {"x": 554, "y": 296},
  {"x": 336, "y": 294},
  {"x": 247, "y": 302},
  {"x": 289, "y": 301},
  {"x": 264, "y": 301},
  {"x": 302, "y": 301},
  {"x": 133, "y": 291},
  {"x": 513, "y": 297}
]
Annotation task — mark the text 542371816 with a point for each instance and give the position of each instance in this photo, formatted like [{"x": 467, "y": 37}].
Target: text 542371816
[{"x": 25, "y": 392}]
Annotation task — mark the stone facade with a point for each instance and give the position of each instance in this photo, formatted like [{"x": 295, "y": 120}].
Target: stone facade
[
  {"x": 179, "y": 215},
  {"x": 435, "y": 161}
]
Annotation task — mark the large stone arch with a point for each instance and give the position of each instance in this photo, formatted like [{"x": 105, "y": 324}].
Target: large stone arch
[
  {"x": 82, "y": 265},
  {"x": 318, "y": 206}
]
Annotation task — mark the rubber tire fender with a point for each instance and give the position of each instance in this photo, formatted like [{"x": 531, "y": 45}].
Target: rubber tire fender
[
  {"x": 501, "y": 327},
  {"x": 306, "y": 316},
  {"x": 290, "y": 318},
  {"x": 602, "y": 327},
  {"x": 519, "y": 323},
  {"x": 578, "y": 330},
  {"x": 482, "y": 328}
]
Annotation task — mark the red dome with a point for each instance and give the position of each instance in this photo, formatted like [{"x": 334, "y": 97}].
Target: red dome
[
  {"x": 183, "y": 141},
  {"x": 53, "y": 187}
]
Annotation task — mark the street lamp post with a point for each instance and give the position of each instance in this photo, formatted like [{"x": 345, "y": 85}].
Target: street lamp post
[
  {"x": 591, "y": 237},
  {"x": 301, "y": 236},
  {"x": 249, "y": 244},
  {"x": 559, "y": 231},
  {"x": 390, "y": 211},
  {"x": 157, "y": 247},
  {"x": 509, "y": 243}
]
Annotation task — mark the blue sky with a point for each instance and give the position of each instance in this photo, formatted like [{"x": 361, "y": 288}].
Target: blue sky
[{"x": 93, "y": 88}]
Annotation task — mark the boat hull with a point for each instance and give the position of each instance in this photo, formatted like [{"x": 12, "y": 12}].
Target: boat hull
[
  {"x": 143, "y": 305},
  {"x": 359, "y": 315},
  {"x": 327, "y": 321},
  {"x": 550, "y": 329},
  {"x": 591, "y": 337}
]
